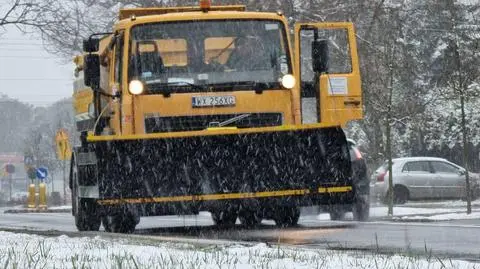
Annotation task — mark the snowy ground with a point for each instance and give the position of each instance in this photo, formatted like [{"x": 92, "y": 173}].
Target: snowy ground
[
  {"x": 444, "y": 217},
  {"x": 31, "y": 251},
  {"x": 425, "y": 210},
  {"x": 442, "y": 204}
]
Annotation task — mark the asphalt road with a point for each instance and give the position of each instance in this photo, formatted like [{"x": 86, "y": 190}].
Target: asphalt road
[{"x": 460, "y": 239}]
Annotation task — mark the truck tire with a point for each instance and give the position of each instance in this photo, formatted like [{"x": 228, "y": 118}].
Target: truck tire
[
  {"x": 85, "y": 210},
  {"x": 287, "y": 216},
  {"x": 361, "y": 208},
  {"x": 336, "y": 212},
  {"x": 120, "y": 223},
  {"x": 224, "y": 218},
  {"x": 250, "y": 218}
]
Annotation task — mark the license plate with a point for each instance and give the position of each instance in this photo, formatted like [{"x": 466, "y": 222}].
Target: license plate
[{"x": 206, "y": 101}]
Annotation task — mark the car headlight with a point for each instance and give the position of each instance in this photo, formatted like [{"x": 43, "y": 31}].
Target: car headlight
[
  {"x": 135, "y": 87},
  {"x": 288, "y": 81}
]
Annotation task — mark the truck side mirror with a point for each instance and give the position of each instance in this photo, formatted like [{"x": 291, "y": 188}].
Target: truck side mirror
[
  {"x": 91, "y": 67},
  {"x": 320, "y": 55},
  {"x": 91, "y": 45}
]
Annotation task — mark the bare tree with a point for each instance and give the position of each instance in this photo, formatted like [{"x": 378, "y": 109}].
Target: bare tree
[
  {"x": 75, "y": 20},
  {"x": 27, "y": 13}
]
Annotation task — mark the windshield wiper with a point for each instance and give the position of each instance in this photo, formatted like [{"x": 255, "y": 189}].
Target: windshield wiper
[
  {"x": 229, "y": 121},
  {"x": 163, "y": 88},
  {"x": 222, "y": 51},
  {"x": 258, "y": 87}
]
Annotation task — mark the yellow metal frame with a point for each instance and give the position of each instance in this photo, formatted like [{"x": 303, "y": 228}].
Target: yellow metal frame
[
  {"x": 224, "y": 196},
  {"x": 208, "y": 132}
]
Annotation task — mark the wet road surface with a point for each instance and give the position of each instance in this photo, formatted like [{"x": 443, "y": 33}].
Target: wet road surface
[{"x": 452, "y": 238}]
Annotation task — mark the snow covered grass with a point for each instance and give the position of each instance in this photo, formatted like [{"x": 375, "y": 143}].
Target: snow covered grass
[{"x": 31, "y": 251}]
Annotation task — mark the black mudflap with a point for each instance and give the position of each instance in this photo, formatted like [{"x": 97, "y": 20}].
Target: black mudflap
[{"x": 243, "y": 163}]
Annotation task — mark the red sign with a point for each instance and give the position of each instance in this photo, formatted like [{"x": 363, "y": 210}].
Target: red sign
[
  {"x": 10, "y": 168},
  {"x": 11, "y": 158}
]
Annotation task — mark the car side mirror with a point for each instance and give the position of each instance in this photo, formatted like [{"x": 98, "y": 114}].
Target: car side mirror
[
  {"x": 91, "y": 68},
  {"x": 461, "y": 172},
  {"x": 320, "y": 55}
]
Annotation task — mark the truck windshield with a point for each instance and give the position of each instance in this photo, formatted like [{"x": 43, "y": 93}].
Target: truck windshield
[{"x": 214, "y": 55}]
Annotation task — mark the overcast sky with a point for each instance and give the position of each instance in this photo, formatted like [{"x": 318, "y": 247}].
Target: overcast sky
[{"x": 28, "y": 73}]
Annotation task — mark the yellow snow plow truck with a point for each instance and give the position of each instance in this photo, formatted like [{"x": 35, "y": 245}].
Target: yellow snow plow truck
[{"x": 212, "y": 108}]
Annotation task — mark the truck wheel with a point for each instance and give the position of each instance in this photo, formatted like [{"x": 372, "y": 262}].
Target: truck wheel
[
  {"x": 250, "y": 218},
  {"x": 287, "y": 216},
  {"x": 361, "y": 208},
  {"x": 336, "y": 213},
  {"x": 85, "y": 210},
  {"x": 120, "y": 223},
  {"x": 224, "y": 218}
]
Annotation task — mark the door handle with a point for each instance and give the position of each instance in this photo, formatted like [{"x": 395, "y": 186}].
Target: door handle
[{"x": 352, "y": 102}]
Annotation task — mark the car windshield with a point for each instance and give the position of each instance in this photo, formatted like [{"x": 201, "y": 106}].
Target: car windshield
[{"x": 220, "y": 54}]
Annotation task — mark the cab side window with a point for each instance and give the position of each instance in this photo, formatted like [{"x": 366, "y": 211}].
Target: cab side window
[{"x": 118, "y": 58}]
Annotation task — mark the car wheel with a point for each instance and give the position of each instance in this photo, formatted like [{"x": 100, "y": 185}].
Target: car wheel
[
  {"x": 400, "y": 195},
  {"x": 475, "y": 193}
]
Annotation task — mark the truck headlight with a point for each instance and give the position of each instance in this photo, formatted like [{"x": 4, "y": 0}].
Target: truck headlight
[
  {"x": 288, "y": 81},
  {"x": 135, "y": 87}
]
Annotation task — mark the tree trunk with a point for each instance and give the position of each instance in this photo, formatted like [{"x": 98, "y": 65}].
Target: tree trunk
[
  {"x": 465, "y": 154},
  {"x": 389, "y": 142}
]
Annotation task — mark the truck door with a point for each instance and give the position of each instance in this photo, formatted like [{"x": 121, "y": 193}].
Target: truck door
[{"x": 331, "y": 95}]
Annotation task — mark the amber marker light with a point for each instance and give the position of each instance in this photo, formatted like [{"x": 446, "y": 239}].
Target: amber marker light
[{"x": 205, "y": 5}]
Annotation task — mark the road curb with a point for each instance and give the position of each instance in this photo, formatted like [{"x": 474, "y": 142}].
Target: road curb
[
  {"x": 400, "y": 219},
  {"x": 36, "y": 210}
]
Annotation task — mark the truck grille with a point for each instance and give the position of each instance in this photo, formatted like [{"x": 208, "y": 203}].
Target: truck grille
[{"x": 196, "y": 123}]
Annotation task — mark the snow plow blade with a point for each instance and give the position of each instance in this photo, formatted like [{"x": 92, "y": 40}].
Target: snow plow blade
[{"x": 302, "y": 166}]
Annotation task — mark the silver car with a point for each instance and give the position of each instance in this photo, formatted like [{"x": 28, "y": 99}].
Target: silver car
[{"x": 423, "y": 178}]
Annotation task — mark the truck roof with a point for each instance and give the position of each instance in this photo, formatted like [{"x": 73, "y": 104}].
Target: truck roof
[
  {"x": 198, "y": 16},
  {"x": 126, "y": 13}
]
